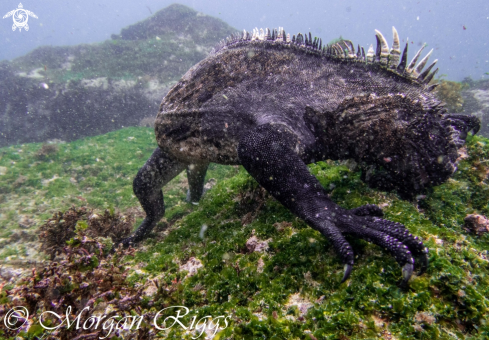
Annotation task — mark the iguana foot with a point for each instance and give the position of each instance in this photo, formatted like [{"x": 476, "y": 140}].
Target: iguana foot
[
  {"x": 364, "y": 223},
  {"x": 270, "y": 153},
  {"x": 394, "y": 237},
  {"x": 139, "y": 235}
]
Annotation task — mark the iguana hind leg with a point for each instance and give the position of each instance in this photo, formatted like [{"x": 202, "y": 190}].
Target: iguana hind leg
[
  {"x": 269, "y": 154},
  {"x": 158, "y": 170}
]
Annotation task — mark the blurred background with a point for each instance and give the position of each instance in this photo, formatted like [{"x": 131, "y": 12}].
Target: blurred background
[{"x": 456, "y": 30}]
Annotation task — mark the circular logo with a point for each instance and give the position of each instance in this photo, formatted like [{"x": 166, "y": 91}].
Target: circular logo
[
  {"x": 20, "y": 17},
  {"x": 14, "y": 316}
]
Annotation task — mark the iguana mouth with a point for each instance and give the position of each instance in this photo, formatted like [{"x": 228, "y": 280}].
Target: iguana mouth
[{"x": 461, "y": 125}]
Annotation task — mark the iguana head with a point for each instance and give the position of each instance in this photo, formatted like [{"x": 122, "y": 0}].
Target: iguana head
[
  {"x": 407, "y": 146},
  {"x": 397, "y": 130}
]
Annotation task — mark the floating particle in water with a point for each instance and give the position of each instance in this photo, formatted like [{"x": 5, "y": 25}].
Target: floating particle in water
[
  {"x": 202, "y": 231},
  {"x": 464, "y": 27},
  {"x": 44, "y": 86},
  {"x": 417, "y": 18}
]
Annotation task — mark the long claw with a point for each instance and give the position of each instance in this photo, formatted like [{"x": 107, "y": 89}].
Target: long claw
[
  {"x": 424, "y": 261},
  {"x": 407, "y": 272},
  {"x": 347, "y": 273}
]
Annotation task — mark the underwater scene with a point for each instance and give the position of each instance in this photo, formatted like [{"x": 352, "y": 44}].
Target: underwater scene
[{"x": 244, "y": 170}]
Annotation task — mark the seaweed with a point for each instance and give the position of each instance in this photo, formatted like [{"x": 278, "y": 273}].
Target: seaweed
[
  {"x": 85, "y": 278},
  {"x": 62, "y": 226}
]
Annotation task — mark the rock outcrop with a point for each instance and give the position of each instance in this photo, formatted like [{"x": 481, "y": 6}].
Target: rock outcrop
[{"x": 75, "y": 91}]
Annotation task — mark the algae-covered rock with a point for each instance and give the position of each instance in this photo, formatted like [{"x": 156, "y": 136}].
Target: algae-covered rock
[
  {"x": 181, "y": 21},
  {"x": 291, "y": 288},
  {"x": 477, "y": 224},
  {"x": 68, "y": 92}
]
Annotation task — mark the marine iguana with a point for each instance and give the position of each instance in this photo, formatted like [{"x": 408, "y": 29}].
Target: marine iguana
[{"x": 273, "y": 104}]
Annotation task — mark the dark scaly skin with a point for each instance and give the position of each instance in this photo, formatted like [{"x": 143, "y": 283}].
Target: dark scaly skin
[{"x": 275, "y": 107}]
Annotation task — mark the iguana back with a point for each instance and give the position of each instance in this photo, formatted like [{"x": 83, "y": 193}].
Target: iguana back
[{"x": 255, "y": 80}]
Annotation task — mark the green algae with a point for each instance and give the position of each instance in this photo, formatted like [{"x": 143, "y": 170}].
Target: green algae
[
  {"x": 256, "y": 289},
  {"x": 95, "y": 171},
  {"x": 449, "y": 301}
]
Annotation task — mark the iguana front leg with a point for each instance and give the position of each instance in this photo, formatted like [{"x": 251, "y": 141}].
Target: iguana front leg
[
  {"x": 268, "y": 154},
  {"x": 158, "y": 170}
]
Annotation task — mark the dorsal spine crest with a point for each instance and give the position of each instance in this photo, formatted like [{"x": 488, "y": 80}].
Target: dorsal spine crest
[{"x": 389, "y": 59}]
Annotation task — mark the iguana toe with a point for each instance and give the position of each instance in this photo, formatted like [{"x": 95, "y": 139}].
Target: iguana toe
[
  {"x": 394, "y": 237},
  {"x": 400, "y": 232},
  {"x": 368, "y": 210},
  {"x": 423, "y": 261}
]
